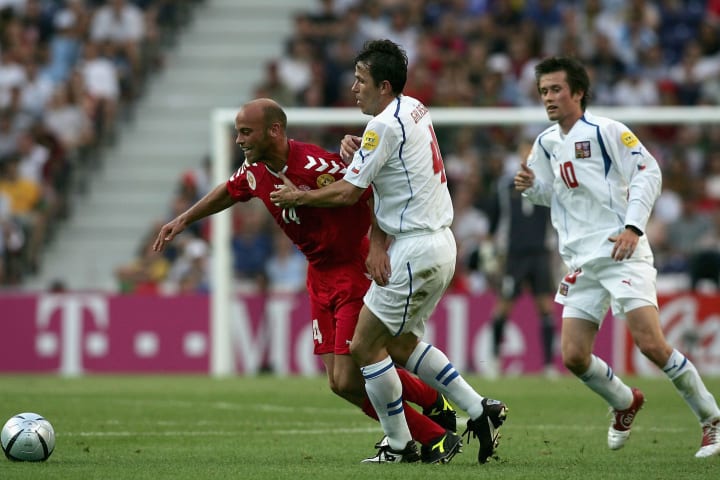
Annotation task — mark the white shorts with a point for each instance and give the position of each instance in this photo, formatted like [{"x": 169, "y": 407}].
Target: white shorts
[
  {"x": 422, "y": 267},
  {"x": 604, "y": 283}
]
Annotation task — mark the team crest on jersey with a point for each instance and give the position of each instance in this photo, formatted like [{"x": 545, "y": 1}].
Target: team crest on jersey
[
  {"x": 325, "y": 179},
  {"x": 370, "y": 140},
  {"x": 563, "y": 290},
  {"x": 251, "y": 180},
  {"x": 629, "y": 139},
  {"x": 582, "y": 149}
]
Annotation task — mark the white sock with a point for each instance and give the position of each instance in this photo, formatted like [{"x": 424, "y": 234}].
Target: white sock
[
  {"x": 384, "y": 389},
  {"x": 434, "y": 368},
  {"x": 683, "y": 374},
  {"x": 601, "y": 380}
]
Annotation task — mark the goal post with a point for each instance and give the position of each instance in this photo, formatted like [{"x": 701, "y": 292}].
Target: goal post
[{"x": 222, "y": 362}]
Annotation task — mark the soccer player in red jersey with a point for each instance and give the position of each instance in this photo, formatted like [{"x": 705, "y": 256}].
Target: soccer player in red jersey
[{"x": 335, "y": 243}]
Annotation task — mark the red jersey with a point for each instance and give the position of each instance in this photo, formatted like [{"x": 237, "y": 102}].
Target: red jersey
[{"x": 327, "y": 236}]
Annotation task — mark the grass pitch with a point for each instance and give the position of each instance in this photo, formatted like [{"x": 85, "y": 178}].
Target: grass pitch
[{"x": 186, "y": 427}]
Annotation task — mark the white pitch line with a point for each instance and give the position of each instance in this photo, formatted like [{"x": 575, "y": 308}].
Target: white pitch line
[
  {"x": 216, "y": 433},
  {"x": 330, "y": 431}
]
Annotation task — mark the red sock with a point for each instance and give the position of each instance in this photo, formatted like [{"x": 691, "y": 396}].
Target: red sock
[
  {"x": 415, "y": 390},
  {"x": 421, "y": 427}
]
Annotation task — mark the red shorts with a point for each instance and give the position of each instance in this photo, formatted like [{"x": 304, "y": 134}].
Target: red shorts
[{"x": 336, "y": 297}]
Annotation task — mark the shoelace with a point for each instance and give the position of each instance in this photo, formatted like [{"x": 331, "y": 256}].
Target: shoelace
[
  {"x": 710, "y": 434},
  {"x": 470, "y": 432}
]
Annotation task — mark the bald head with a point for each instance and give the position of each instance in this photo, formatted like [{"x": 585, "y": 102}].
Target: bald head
[
  {"x": 260, "y": 126},
  {"x": 265, "y": 111}
]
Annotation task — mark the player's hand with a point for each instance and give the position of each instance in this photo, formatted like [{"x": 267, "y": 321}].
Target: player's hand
[
  {"x": 287, "y": 195},
  {"x": 168, "y": 231},
  {"x": 378, "y": 266},
  {"x": 524, "y": 178},
  {"x": 348, "y": 146},
  {"x": 625, "y": 244}
]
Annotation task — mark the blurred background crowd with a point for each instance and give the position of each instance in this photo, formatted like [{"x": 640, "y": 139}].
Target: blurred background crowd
[
  {"x": 64, "y": 88},
  {"x": 71, "y": 72}
]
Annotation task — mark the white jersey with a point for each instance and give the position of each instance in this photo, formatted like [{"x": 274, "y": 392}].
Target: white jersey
[
  {"x": 596, "y": 179},
  {"x": 400, "y": 156}
]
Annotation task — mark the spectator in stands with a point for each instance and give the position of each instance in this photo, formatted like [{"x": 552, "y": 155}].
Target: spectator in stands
[
  {"x": 684, "y": 234},
  {"x": 65, "y": 46},
  {"x": 472, "y": 234},
  {"x": 286, "y": 267},
  {"x": 637, "y": 32},
  {"x": 146, "y": 272},
  {"x": 679, "y": 23},
  {"x": 272, "y": 86},
  {"x": 374, "y": 22},
  {"x": 36, "y": 91},
  {"x": 634, "y": 89},
  {"x": 8, "y": 133},
  {"x": 295, "y": 67},
  {"x": 66, "y": 118},
  {"x": 403, "y": 32},
  {"x": 692, "y": 72},
  {"x": 122, "y": 24},
  {"x": 704, "y": 261},
  {"x": 33, "y": 158},
  {"x": 607, "y": 68},
  {"x": 37, "y": 22},
  {"x": 251, "y": 246},
  {"x": 102, "y": 87},
  {"x": 12, "y": 76},
  {"x": 26, "y": 208},
  {"x": 189, "y": 273}
]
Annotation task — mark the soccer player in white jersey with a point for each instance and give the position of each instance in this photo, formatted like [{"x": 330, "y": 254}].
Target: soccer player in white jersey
[
  {"x": 600, "y": 184},
  {"x": 400, "y": 156}
]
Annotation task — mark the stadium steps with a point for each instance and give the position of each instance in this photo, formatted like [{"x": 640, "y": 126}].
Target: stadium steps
[{"x": 219, "y": 57}]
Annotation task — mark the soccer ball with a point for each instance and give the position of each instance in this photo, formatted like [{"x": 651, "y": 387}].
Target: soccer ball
[{"x": 27, "y": 437}]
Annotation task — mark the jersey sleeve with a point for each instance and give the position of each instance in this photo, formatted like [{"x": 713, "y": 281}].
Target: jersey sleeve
[
  {"x": 639, "y": 169},
  {"x": 238, "y": 185},
  {"x": 379, "y": 141},
  {"x": 539, "y": 162}
]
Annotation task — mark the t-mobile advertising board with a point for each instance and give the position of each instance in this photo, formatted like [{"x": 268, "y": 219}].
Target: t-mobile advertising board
[{"x": 89, "y": 333}]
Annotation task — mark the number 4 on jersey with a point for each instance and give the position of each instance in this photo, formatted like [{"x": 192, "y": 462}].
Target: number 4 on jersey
[{"x": 438, "y": 166}]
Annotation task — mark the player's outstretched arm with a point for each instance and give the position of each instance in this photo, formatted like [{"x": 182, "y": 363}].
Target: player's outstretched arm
[{"x": 215, "y": 201}]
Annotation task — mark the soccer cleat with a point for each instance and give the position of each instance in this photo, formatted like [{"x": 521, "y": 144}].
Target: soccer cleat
[
  {"x": 485, "y": 427},
  {"x": 441, "y": 449},
  {"x": 386, "y": 454},
  {"x": 442, "y": 413},
  {"x": 383, "y": 442},
  {"x": 711, "y": 440},
  {"x": 623, "y": 419}
]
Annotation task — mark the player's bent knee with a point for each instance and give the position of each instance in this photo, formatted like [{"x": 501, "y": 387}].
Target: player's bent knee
[
  {"x": 656, "y": 352},
  {"x": 576, "y": 361}
]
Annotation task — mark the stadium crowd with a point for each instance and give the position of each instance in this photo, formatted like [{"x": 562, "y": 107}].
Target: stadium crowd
[
  {"x": 467, "y": 53},
  {"x": 70, "y": 73}
]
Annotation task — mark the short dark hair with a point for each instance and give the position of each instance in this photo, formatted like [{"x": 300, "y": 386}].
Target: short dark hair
[
  {"x": 385, "y": 60},
  {"x": 575, "y": 74}
]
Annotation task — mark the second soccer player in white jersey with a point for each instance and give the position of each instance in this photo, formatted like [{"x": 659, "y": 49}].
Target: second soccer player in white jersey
[
  {"x": 600, "y": 184},
  {"x": 400, "y": 156}
]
